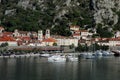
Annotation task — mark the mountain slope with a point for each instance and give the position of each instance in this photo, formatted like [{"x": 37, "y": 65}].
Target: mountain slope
[{"x": 58, "y": 15}]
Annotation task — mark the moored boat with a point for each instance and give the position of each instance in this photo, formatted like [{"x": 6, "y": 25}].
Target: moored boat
[
  {"x": 45, "y": 55},
  {"x": 89, "y": 56},
  {"x": 71, "y": 57},
  {"x": 105, "y": 53},
  {"x": 57, "y": 58},
  {"x": 98, "y": 53},
  {"x": 116, "y": 53}
]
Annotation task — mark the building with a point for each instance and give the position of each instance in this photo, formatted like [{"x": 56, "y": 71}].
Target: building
[
  {"x": 66, "y": 41},
  {"x": 112, "y": 42},
  {"x": 7, "y": 34},
  {"x": 76, "y": 34},
  {"x": 18, "y": 33},
  {"x": 49, "y": 42},
  {"x": 117, "y": 34},
  {"x": 47, "y": 34},
  {"x": 8, "y": 39},
  {"x": 40, "y": 35},
  {"x": 84, "y": 34},
  {"x": 1, "y": 29},
  {"x": 27, "y": 38},
  {"x": 74, "y": 28}
]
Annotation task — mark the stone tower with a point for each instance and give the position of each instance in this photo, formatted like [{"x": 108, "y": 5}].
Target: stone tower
[
  {"x": 40, "y": 35},
  {"x": 47, "y": 34}
]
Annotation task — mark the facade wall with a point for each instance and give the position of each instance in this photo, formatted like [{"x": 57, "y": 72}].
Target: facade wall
[
  {"x": 114, "y": 43},
  {"x": 47, "y": 43},
  {"x": 67, "y": 42},
  {"x": 10, "y": 43},
  {"x": 77, "y": 37},
  {"x": 74, "y": 28}
]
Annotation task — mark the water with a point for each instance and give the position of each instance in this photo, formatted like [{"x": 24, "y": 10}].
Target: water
[{"x": 40, "y": 69}]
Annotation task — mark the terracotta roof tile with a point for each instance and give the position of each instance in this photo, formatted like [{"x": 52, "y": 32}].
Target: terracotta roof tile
[
  {"x": 49, "y": 40},
  {"x": 7, "y": 38},
  {"x": 76, "y": 34},
  {"x": 26, "y": 38},
  {"x": 7, "y": 33}
]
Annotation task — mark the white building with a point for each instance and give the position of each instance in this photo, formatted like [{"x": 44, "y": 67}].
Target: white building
[
  {"x": 10, "y": 40},
  {"x": 47, "y": 34},
  {"x": 18, "y": 33},
  {"x": 114, "y": 42},
  {"x": 76, "y": 34},
  {"x": 47, "y": 40},
  {"x": 66, "y": 41},
  {"x": 1, "y": 29},
  {"x": 40, "y": 35},
  {"x": 117, "y": 34},
  {"x": 74, "y": 28},
  {"x": 109, "y": 41}
]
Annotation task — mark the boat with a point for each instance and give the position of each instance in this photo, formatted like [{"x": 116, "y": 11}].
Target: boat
[
  {"x": 71, "y": 57},
  {"x": 57, "y": 58},
  {"x": 105, "y": 53},
  {"x": 89, "y": 55},
  {"x": 45, "y": 55},
  {"x": 98, "y": 53},
  {"x": 116, "y": 53}
]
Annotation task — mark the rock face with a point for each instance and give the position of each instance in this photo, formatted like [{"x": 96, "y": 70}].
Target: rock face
[
  {"x": 23, "y": 3},
  {"x": 105, "y": 11}
]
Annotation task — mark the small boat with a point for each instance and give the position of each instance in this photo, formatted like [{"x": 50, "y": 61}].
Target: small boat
[
  {"x": 71, "y": 57},
  {"x": 45, "y": 55},
  {"x": 98, "y": 54},
  {"x": 105, "y": 53},
  {"x": 89, "y": 56},
  {"x": 116, "y": 53},
  {"x": 34, "y": 55},
  {"x": 12, "y": 56},
  {"x": 57, "y": 58}
]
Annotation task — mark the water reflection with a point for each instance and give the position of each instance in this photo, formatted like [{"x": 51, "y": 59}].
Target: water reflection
[{"x": 40, "y": 69}]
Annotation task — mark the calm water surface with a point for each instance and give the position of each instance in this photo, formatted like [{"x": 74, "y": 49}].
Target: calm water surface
[{"x": 40, "y": 69}]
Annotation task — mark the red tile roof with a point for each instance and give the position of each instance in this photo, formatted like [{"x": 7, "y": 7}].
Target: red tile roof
[
  {"x": 7, "y": 38},
  {"x": 76, "y": 34},
  {"x": 23, "y": 32},
  {"x": 7, "y": 34},
  {"x": 49, "y": 40},
  {"x": 26, "y": 38}
]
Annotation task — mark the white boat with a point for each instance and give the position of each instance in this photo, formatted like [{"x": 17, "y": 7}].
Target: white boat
[
  {"x": 72, "y": 58},
  {"x": 57, "y": 58},
  {"x": 45, "y": 55},
  {"x": 34, "y": 55},
  {"x": 89, "y": 56},
  {"x": 98, "y": 54},
  {"x": 105, "y": 53}
]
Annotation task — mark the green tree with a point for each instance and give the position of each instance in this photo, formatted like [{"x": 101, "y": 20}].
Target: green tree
[
  {"x": 81, "y": 48},
  {"x": 104, "y": 32},
  {"x": 4, "y": 44},
  {"x": 71, "y": 46},
  {"x": 54, "y": 44}
]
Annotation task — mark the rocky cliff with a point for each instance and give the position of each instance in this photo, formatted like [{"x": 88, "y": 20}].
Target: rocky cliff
[
  {"x": 105, "y": 11},
  {"x": 59, "y": 13}
]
